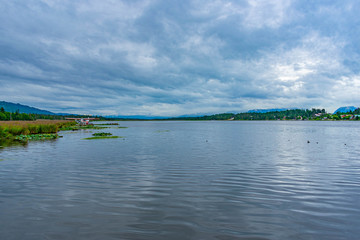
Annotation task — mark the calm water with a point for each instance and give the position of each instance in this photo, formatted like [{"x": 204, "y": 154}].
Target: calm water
[{"x": 186, "y": 180}]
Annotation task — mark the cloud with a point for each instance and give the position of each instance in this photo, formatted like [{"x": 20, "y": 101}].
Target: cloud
[{"x": 179, "y": 57}]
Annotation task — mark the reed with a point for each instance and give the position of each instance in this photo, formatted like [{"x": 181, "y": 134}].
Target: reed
[{"x": 11, "y": 129}]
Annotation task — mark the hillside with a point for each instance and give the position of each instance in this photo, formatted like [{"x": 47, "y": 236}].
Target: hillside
[
  {"x": 290, "y": 114},
  {"x": 345, "y": 109},
  {"x": 267, "y": 110},
  {"x": 13, "y": 107}
]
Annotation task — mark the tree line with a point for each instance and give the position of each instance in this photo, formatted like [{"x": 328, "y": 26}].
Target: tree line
[
  {"x": 8, "y": 116},
  {"x": 291, "y": 114}
]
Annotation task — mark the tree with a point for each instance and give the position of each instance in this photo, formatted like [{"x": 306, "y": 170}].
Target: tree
[
  {"x": 2, "y": 110},
  {"x": 2, "y": 116}
]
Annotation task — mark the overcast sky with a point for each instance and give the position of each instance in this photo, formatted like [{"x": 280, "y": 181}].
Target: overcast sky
[{"x": 169, "y": 57}]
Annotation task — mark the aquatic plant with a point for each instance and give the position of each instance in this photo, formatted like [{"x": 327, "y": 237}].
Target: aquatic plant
[
  {"x": 102, "y": 137},
  {"x": 37, "y": 137},
  {"x": 77, "y": 127},
  {"x": 100, "y": 134}
]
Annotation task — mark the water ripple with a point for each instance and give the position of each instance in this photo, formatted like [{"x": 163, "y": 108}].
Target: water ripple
[{"x": 199, "y": 180}]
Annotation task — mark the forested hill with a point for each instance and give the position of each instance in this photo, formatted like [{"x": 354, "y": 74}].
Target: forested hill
[
  {"x": 345, "y": 109},
  {"x": 16, "y": 107},
  {"x": 287, "y": 114}
]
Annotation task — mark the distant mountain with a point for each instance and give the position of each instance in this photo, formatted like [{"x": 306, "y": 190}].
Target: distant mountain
[
  {"x": 191, "y": 115},
  {"x": 146, "y": 117},
  {"x": 143, "y": 117},
  {"x": 67, "y": 114},
  {"x": 345, "y": 109},
  {"x": 13, "y": 107},
  {"x": 269, "y": 110}
]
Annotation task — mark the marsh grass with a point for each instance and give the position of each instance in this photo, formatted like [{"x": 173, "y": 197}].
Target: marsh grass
[
  {"x": 77, "y": 127},
  {"x": 27, "y": 130},
  {"x": 102, "y": 137}
]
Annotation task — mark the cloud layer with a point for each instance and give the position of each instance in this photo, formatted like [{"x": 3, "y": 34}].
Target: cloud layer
[{"x": 168, "y": 58}]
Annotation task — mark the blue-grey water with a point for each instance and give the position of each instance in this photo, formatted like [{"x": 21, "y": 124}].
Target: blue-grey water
[{"x": 186, "y": 180}]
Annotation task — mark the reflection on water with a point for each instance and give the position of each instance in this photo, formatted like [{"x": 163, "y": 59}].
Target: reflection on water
[
  {"x": 186, "y": 180},
  {"x": 10, "y": 143}
]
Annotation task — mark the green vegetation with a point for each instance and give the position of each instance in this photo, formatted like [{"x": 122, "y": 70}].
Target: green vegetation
[
  {"x": 16, "y": 115},
  {"x": 37, "y": 137},
  {"x": 292, "y": 114},
  {"x": 78, "y": 127},
  {"x": 100, "y": 134},
  {"x": 277, "y": 115},
  {"x": 11, "y": 112},
  {"x": 103, "y": 137},
  {"x": 22, "y": 131}
]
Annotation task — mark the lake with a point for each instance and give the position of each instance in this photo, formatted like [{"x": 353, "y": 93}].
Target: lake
[{"x": 186, "y": 180}]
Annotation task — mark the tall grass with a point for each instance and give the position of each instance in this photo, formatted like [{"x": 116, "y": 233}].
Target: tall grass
[{"x": 11, "y": 129}]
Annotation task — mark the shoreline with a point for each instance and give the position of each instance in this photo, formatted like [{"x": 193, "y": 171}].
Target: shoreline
[{"x": 23, "y": 131}]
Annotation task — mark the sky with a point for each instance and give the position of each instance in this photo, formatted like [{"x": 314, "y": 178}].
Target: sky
[{"x": 179, "y": 57}]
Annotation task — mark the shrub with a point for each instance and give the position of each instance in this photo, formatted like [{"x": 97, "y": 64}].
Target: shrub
[
  {"x": 25, "y": 131},
  {"x": 33, "y": 128},
  {"x": 48, "y": 128},
  {"x": 3, "y": 132},
  {"x": 15, "y": 130}
]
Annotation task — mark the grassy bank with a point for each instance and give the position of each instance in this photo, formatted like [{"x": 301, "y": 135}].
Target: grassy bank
[{"x": 17, "y": 130}]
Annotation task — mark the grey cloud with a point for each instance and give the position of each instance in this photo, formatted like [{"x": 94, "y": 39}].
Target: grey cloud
[{"x": 178, "y": 57}]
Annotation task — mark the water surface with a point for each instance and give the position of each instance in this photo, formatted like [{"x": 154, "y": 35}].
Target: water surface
[{"x": 186, "y": 180}]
